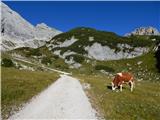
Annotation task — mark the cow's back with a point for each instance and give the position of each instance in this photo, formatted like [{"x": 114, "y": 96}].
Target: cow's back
[
  {"x": 122, "y": 77},
  {"x": 126, "y": 77}
]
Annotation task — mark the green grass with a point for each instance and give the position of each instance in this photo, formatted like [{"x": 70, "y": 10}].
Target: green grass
[
  {"x": 142, "y": 103},
  {"x": 20, "y": 86}
]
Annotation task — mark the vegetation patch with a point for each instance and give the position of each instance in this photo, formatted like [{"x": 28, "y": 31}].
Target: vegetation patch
[
  {"x": 6, "y": 62},
  {"x": 33, "y": 52},
  {"x": 46, "y": 60},
  {"x": 77, "y": 58},
  {"x": 104, "y": 67}
]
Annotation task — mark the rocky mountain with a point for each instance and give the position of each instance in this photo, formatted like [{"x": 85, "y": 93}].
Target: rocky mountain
[
  {"x": 144, "y": 31},
  {"x": 80, "y": 43},
  {"x": 17, "y": 32}
]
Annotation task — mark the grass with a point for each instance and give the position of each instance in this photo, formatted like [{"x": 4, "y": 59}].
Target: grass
[
  {"x": 142, "y": 103},
  {"x": 20, "y": 86}
]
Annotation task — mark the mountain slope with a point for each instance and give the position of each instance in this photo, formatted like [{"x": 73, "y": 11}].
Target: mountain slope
[
  {"x": 17, "y": 32},
  {"x": 98, "y": 45}
]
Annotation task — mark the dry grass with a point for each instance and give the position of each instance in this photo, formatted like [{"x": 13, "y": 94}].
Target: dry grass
[{"x": 18, "y": 86}]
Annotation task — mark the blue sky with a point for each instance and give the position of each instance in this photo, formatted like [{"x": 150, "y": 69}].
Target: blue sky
[{"x": 118, "y": 17}]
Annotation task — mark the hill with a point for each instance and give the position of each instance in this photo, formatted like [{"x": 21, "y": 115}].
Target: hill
[{"x": 84, "y": 43}]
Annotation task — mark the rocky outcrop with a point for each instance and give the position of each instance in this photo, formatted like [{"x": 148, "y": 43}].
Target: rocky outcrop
[
  {"x": 99, "y": 52},
  {"x": 144, "y": 31}
]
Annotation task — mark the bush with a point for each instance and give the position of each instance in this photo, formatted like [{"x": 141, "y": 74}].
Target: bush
[
  {"x": 76, "y": 58},
  {"x": 106, "y": 68},
  {"x": 157, "y": 55},
  {"x": 46, "y": 60},
  {"x": 6, "y": 62},
  {"x": 56, "y": 57},
  {"x": 34, "y": 52}
]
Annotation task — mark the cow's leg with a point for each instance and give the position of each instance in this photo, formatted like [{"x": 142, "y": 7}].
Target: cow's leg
[
  {"x": 121, "y": 87},
  {"x": 131, "y": 85},
  {"x": 113, "y": 87}
]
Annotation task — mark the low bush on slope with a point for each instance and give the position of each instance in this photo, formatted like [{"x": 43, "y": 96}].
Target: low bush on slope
[
  {"x": 157, "y": 55},
  {"x": 6, "y": 62}
]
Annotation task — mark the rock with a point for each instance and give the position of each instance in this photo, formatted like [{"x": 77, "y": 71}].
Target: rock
[
  {"x": 86, "y": 86},
  {"x": 99, "y": 52},
  {"x": 144, "y": 31},
  {"x": 139, "y": 62}
]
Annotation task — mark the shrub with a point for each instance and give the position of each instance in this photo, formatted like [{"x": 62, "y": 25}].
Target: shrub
[
  {"x": 76, "y": 58},
  {"x": 55, "y": 57},
  {"x": 34, "y": 52},
  {"x": 103, "y": 67},
  {"x": 6, "y": 62},
  {"x": 157, "y": 55},
  {"x": 46, "y": 60}
]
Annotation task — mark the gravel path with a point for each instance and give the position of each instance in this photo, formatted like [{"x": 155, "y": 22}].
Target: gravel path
[{"x": 64, "y": 99}]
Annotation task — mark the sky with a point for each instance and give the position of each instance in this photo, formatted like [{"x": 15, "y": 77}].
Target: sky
[{"x": 118, "y": 17}]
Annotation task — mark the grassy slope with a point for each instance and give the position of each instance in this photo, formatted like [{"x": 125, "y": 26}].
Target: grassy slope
[
  {"x": 57, "y": 62},
  {"x": 143, "y": 103},
  {"x": 143, "y": 70},
  {"x": 20, "y": 86}
]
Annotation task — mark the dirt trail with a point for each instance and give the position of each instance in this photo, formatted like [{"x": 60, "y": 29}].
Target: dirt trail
[{"x": 64, "y": 99}]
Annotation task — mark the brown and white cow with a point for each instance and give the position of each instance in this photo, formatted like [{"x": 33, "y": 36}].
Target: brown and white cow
[{"x": 121, "y": 78}]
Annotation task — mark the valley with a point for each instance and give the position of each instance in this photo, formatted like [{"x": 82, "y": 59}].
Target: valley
[
  {"x": 50, "y": 74},
  {"x": 98, "y": 75}
]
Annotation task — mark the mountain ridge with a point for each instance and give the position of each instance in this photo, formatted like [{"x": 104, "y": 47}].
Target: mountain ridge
[
  {"x": 18, "y": 32},
  {"x": 83, "y": 43}
]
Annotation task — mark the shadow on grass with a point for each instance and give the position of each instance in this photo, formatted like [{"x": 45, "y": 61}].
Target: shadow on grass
[{"x": 110, "y": 87}]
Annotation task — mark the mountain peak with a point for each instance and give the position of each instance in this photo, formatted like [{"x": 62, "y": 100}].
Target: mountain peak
[
  {"x": 42, "y": 25},
  {"x": 144, "y": 31},
  {"x": 18, "y": 32}
]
